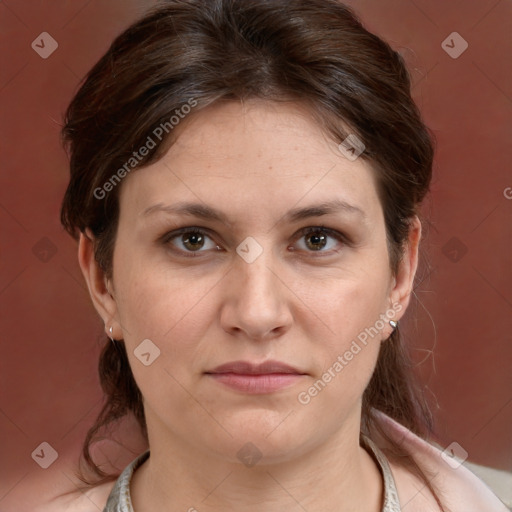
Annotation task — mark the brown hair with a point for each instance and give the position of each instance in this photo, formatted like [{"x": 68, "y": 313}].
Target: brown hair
[{"x": 315, "y": 52}]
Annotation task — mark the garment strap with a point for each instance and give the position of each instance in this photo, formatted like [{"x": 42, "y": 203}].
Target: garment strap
[
  {"x": 391, "y": 501},
  {"x": 120, "y": 499}
]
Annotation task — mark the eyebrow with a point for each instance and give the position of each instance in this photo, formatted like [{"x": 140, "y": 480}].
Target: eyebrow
[
  {"x": 325, "y": 208},
  {"x": 208, "y": 213}
]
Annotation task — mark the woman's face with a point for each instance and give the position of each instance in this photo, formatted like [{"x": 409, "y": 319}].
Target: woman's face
[{"x": 252, "y": 286}]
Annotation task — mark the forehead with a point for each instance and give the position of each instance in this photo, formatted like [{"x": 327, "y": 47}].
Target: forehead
[{"x": 256, "y": 156}]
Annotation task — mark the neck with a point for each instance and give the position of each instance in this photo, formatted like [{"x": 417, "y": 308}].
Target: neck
[{"x": 337, "y": 476}]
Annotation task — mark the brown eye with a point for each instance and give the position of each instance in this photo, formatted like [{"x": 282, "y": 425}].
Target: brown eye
[
  {"x": 316, "y": 241},
  {"x": 190, "y": 240},
  {"x": 193, "y": 241},
  {"x": 318, "y": 238}
]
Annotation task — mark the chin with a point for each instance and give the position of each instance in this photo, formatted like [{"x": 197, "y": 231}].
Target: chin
[{"x": 260, "y": 438}]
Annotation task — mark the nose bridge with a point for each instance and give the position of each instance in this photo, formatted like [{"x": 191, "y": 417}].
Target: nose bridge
[
  {"x": 252, "y": 269},
  {"x": 256, "y": 298}
]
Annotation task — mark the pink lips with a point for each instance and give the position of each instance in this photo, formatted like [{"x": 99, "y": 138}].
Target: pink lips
[{"x": 260, "y": 378}]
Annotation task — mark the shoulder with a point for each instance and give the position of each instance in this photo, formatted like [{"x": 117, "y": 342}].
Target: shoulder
[
  {"x": 97, "y": 495},
  {"x": 458, "y": 489},
  {"x": 94, "y": 498}
]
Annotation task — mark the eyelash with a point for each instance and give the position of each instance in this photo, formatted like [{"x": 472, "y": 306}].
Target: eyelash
[{"x": 168, "y": 237}]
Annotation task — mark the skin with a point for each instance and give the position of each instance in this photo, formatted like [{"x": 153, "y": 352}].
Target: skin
[{"x": 254, "y": 162}]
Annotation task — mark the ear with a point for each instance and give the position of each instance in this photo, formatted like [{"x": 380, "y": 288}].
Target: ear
[
  {"x": 402, "y": 286},
  {"x": 100, "y": 288}
]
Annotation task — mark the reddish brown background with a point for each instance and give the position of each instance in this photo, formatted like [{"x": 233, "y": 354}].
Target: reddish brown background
[{"x": 50, "y": 333}]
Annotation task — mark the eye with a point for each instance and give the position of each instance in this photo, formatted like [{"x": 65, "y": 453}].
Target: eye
[
  {"x": 317, "y": 239},
  {"x": 190, "y": 240}
]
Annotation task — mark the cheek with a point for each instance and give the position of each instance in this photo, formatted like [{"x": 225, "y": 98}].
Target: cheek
[
  {"x": 164, "y": 306},
  {"x": 348, "y": 319},
  {"x": 344, "y": 307},
  {"x": 171, "y": 313}
]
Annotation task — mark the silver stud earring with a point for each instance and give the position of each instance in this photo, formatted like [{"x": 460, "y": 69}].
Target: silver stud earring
[
  {"x": 393, "y": 324},
  {"x": 111, "y": 334}
]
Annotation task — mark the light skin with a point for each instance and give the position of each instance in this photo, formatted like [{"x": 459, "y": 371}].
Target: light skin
[{"x": 254, "y": 162}]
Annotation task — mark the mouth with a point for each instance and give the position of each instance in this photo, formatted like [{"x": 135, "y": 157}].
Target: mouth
[{"x": 251, "y": 378}]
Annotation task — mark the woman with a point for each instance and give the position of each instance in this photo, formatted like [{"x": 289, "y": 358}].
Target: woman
[{"x": 246, "y": 178}]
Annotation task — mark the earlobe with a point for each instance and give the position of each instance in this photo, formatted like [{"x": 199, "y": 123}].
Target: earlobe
[{"x": 95, "y": 278}]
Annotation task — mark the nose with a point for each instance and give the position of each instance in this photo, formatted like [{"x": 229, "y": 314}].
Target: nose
[{"x": 256, "y": 300}]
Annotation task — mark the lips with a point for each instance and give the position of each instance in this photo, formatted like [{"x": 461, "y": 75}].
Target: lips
[
  {"x": 256, "y": 379},
  {"x": 247, "y": 368}
]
